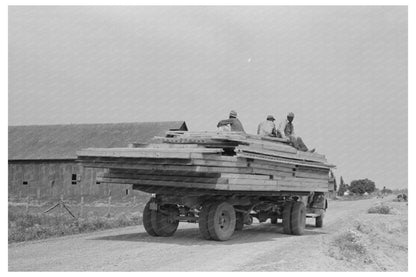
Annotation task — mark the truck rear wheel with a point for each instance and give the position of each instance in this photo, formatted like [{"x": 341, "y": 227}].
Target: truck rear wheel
[
  {"x": 286, "y": 217},
  {"x": 147, "y": 222},
  {"x": 203, "y": 221},
  {"x": 298, "y": 218},
  {"x": 221, "y": 221},
  {"x": 163, "y": 220}
]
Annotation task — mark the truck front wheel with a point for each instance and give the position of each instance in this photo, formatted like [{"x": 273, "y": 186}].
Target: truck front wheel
[
  {"x": 298, "y": 218},
  {"x": 294, "y": 218},
  {"x": 319, "y": 221}
]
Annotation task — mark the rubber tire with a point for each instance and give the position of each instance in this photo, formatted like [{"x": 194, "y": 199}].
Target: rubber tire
[
  {"x": 160, "y": 223},
  {"x": 287, "y": 217},
  {"x": 216, "y": 211},
  {"x": 239, "y": 223},
  {"x": 147, "y": 222},
  {"x": 298, "y": 218},
  {"x": 203, "y": 220},
  {"x": 319, "y": 221}
]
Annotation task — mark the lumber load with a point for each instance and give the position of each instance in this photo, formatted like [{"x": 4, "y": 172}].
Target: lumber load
[{"x": 231, "y": 161}]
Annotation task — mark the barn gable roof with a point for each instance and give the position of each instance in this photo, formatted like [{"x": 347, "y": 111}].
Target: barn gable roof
[{"x": 50, "y": 142}]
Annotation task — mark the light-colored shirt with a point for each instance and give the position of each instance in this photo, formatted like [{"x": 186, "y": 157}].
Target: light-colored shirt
[{"x": 266, "y": 128}]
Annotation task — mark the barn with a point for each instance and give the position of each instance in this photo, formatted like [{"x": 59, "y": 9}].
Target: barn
[{"x": 42, "y": 158}]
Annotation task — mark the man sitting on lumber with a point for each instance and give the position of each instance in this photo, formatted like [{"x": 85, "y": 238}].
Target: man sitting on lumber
[
  {"x": 268, "y": 128},
  {"x": 289, "y": 131},
  {"x": 233, "y": 121}
]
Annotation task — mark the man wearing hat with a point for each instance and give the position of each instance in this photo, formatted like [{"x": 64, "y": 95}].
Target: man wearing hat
[
  {"x": 289, "y": 131},
  {"x": 268, "y": 128},
  {"x": 233, "y": 121}
]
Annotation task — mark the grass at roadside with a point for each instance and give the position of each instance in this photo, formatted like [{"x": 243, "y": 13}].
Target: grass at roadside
[
  {"x": 31, "y": 223},
  {"x": 377, "y": 240}
]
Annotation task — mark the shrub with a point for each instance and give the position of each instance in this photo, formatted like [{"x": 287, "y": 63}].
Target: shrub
[
  {"x": 350, "y": 243},
  {"x": 379, "y": 209}
]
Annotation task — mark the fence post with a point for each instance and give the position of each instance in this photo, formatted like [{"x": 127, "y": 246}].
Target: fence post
[
  {"x": 109, "y": 206},
  {"x": 81, "y": 212},
  {"x": 61, "y": 205},
  {"x": 134, "y": 200},
  {"x": 27, "y": 204}
]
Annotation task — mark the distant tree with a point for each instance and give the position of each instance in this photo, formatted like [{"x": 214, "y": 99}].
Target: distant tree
[
  {"x": 342, "y": 187},
  {"x": 362, "y": 186},
  {"x": 334, "y": 180}
]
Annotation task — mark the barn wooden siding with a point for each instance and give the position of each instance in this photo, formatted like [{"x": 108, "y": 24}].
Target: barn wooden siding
[{"x": 51, "y": 179}]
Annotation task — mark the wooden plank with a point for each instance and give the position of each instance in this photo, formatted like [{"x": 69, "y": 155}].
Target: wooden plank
[
  {"x": 282, "y": 160},
  {"x": 245, "y": 176},
  {"x": 312, "y": 176},
  {"x": 167, "y": 173},
  {"x": 148, "y": 152},
  {"x": 172, "y": 145},
  {"x": 252, "y": 182},
  {"x": 302, "y": 168},
  {"x": 161, "y": 161},
  {"x": 271, "y": 167},
  {"x": 297, "y": 156},
  {"x": 219, "y": 163},
  {"x": 157, "y": 183},
  {"x": 271, "y": 146},
  {"x": 272, "y": 172},
  {"x": 151, "y": 150},
  {"x": 213, "y": 169},
  {"x": 176, "y": 178},
  {"x": 202, "y": 162}
]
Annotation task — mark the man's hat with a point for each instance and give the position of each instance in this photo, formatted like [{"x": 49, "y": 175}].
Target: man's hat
[
  {"x": 290, "y": 114},
  {"x": 233, "y": 114},
  {"x": 270, "y": 117}
]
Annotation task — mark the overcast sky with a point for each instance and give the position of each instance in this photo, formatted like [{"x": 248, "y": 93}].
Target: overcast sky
[{"x": 341, "y": 70}]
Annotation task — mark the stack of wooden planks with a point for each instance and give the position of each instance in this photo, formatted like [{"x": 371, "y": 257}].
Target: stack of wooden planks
[{"x": 211, "y": 161}]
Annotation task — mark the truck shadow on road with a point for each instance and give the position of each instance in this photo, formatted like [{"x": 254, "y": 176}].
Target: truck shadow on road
[{"x": 191, "y": 236}]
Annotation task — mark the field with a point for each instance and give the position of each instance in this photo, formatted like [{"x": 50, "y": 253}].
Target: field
[
  {"x": 352, "y": 239},
  {"x": 28, "y": 221}
]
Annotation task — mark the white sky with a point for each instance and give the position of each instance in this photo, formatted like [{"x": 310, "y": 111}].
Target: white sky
[{"x": 341, "y": 70}]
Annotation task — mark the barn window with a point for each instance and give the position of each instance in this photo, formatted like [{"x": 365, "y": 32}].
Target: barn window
[
  {"x": 25, "y": 183},
  {"x": 74, "y": 179},
  {"x": 97, "y": 182}
]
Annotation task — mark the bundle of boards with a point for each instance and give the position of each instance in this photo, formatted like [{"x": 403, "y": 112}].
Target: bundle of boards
[{"x": 210, "y": 161}]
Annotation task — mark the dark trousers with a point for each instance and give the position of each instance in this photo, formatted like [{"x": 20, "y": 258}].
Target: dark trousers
[{"x": 297, "y": 142}]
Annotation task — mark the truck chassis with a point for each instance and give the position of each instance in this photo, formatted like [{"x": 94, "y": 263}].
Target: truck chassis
[{"x": 219, "y": 215}]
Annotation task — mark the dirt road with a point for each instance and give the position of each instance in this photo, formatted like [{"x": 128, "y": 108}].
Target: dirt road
[{"x": 259, "y": 247}]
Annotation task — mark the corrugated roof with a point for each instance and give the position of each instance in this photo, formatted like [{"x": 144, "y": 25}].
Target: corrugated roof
[{"x": 62, "y": 141}]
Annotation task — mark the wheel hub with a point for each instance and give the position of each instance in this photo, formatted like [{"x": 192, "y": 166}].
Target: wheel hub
[{"x": 223, "y": 220}]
